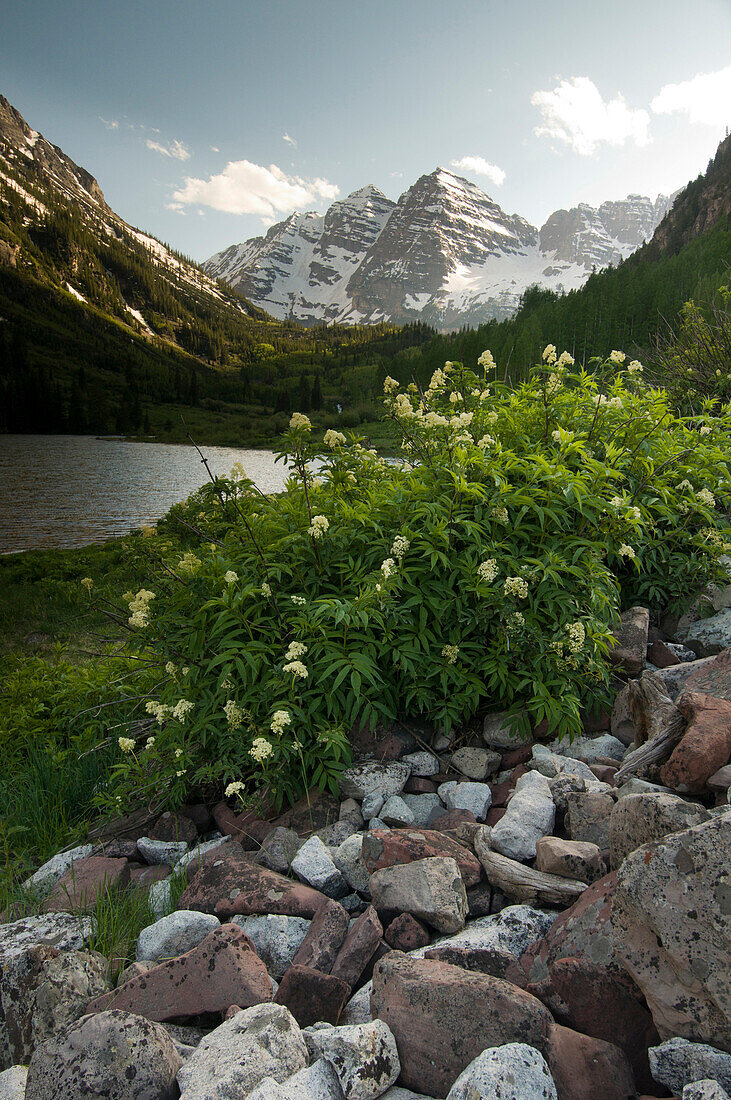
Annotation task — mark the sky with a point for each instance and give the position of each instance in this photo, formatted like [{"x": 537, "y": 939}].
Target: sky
[{"x": 206, "y": 121}]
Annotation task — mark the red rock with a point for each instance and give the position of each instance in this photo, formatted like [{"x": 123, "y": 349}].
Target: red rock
[
  {"x": 224, "y": 969},
  {"x": 513, "y": 757},
  {"x": 171, "y": 826},
  {"x": 582, "y": 931},
  {"x": 596, "y": 723},
  {"x": 199, "y": 814},
  {"x": 226, "y": 882},
  {"x": 84, "y": 882},
  {"x": 482, "y": 960},
  {"x": 316, "y": 810},
  {"x": 500, "y": 792},
  {"x": 442, "y": 1017},
  {"x": 248, "y": 829},
  {"x": 312, "y": 996},
  {"x": 705, "y": 746},
  {"x": 143, "y": 877},
  {"x": 418, "y": 784},
  {"x": 604, "y": 1005},
  {"x": 450, "y": 820},
  {"x": 391, "y": 847},
  {"x": 584, "y": 1067},
  {"x": 518, "y": 770},
  {"x": 605, "y": 772},
  {"x": 232, "y": 1010},
  {"x": 713, "y": 677},
  {"x": 630, "y": 651},
  {"x": 661, "y": 655},
  {"x": 359, "y": 947},
  {"x": 324, "y": 938},
  {"x": 495, "y": 814},
  {"x": 406, "y": 933},
  {"x": 382, "y": 950}
]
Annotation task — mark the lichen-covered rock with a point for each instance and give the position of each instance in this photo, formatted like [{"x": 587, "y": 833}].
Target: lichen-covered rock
[
  {"x": 348, "y": 858},
  {"x": 108, "y": 1056},
  {"x": 370, "y": 778},
  {"x": 639, "y": 819},
  {"x": 390, "y": 847},
  {"x": 630, "y": 636},
  {"x": 530, "y": 815},
  {"x": 678, "y": 1062},
  {"x": 575, "y": 859},
  {"x": 277, "y": 939},
  {"x": 48, "y": 875},
  {"x": 173, "y": 935},
  {"x": 313, "y": 864},
  {"x": 430, "y": 889},
  {"x": 316, "y": 1082},
  {"x": 704, "y": 747},
  {"x": 513, "y": 1071},
  {"x": 364, "y": 1057},
  {"x": 13, "y": 1082}
]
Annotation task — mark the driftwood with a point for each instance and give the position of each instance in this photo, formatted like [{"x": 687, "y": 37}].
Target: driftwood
[
  {"x": 650, "y": 706},
  {"x": 524, "y": 883}
]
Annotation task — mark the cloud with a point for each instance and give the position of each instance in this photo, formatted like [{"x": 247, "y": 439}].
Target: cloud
[
  {"x": 174, "y": 149},
  {"x": 289, "y": 140},
  {"x": 215, "y": 149},
  {"x": 575, "y": 113},
  {"x": 176, "y": 207},
  {"x": 478, "y": 166},
  {"x": 704, "y": 99},
  {"x": 110, "y": 123},
  {"x": 246, "y": 188}
]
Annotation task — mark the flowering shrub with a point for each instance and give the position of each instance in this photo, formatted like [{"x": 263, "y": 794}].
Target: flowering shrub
[{"x": 486, "y": 570}]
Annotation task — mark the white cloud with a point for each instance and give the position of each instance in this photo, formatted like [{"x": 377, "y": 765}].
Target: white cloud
[
  {"x": 289, "y": 140},
  {"x": 215, "y": 149},
  {"x": 574, "y": 112},
  {"x": 706, "y": 98},
  {"x": 110, "y": 123},
  {"x": 246, "y": 188},
  {"x": 174, "y": 149},
  {"x": 478, "y": 166},
  {"x": 176, "y": 207}
]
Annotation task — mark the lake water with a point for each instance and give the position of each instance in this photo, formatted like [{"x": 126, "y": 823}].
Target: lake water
[{"x": 70, "y": 490}]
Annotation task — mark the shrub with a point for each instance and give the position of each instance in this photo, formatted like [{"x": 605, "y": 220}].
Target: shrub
[{"x": 486, "y": 570}]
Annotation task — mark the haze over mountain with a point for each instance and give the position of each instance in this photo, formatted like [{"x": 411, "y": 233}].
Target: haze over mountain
[{"x": 445, "y": 254}]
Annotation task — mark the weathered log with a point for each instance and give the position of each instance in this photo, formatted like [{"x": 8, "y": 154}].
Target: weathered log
[
  {"x": 525, "y": 883},
  {"x": 654, "y": 751},
  {"x": 650, "y": 706}
]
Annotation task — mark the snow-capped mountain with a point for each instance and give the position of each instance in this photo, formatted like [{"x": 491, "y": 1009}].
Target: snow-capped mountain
[{"x": 445, "y": 254}]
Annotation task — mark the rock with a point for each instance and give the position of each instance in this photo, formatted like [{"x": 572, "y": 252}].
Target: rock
[
  {"x": 442, "y": 1017},
  {"x": 422, "y": 763},
  {"x": 707, "y": 637},
  {"x": 584, "y": 1067},
  {"x": 174, "y": 826},
  {"x": 324, "y": 938},
  {"x": 313, "y": 865},
  {"x": 278, "y": 850},
  {"x": 13, "y": 1082},
  {"x": 661, "y": 655},
  {"x": 358, "y": 947},
  {"x": 49, "y": 874},
  {"x": 641, "y": 818},
  {"x": 312, "y": 996},
  {"x": 161, "y": 851},
  {"x": 223, "y": 970},
  {"x": 358, "y": 1008},
  {"x": 370, "y": 778},
  {"x": 195, "y": 855},
  {"x": 677, "y": 1063},
  {"x": 498, "y": 734},
  {"x": 431, "y": 889},
  {"x": 553, "y": 764},
  {"x": 704, "y": 747},
  {"x": 584, "y": 931},
  {"x": 348, "y": 858},
  {"x": 395, "y": 812},
  {"x": 529, "y": 816},
  {"x": 720, "y": 780},
  {"x": 672, "y": 930},
  {"x": 711, "y": 676},
  {"x": 364, "y": 1057},
  {"x": 79, "y": 888},
  {"x": 399, "y": 846},
  {"x": 639, "y": 786},
  {"x": 43, "y": 989},
  {"x": 571, "y": 858},
  {"x": 588, "y": 816},
  {"x": 630, "y": 652},
  {"x": 704, "y": 1090},
  {"x": 622, "y": 724},
  {"x": 376, "y": 823},
  {"x": 397, "y": 1093},
  {"x": 174, "y": 935},
  {"x": 494, "y": 944},
  {"x": 423, "y": 806},
  {"x": 263, "y": 1041},
  {"x": 405, "y": 933},
  {"x": 371, "y": 805},
  {"x": 476, "y": 763},
  {"x": 108, "y": 1056},
  {"x": 316, "y": 1082},
  {"x": 590, "y": 750},
  {"x": 350, "y": 810},
  {"x": 143, "y": 878},
  {"x": 334, "y": 835},
  {"x": 159, "y": 897},
  {"x": 479, "y": 901},
  {"x": 475, "y": 797},
  {"x": 520, "y": 883},
  {"x": 228, "y": 882},
  {"x": 277, "y": 939},
  {"x": 513, "y": 1071}
]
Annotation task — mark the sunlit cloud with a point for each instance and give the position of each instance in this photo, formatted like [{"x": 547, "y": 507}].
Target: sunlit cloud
[
  {"x": 705, "y": 99},
  {"x": 575, "y": 113},
  {"x": 215, "y": 149},
  {"x": 478, "y": 166},
  {"x": 289, "y": 140},
  {"x": 110, "y": 123},
  {"x": 175, "y": 149},
  {"x": 246, "y": 188}
]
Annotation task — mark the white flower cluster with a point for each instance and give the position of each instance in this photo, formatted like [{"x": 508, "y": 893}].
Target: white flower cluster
[
  {"x": 485, "y": 442},
  {"x": 333, "y": 439},
  {"x": 617, "y": 357},
  {"x": 300, "y": 601},
  {"x": 388, "y": 567},
  {"x": 487, "y": 570},
  {"x": 705, "y": 429},
  {"x": 577, "y": 636},
  {"x": 295, "y": 650},
  {"x": 234, "y": 714},
  {"x": 390, "y": 385},
  {"x": 149, "y": 742},
  {"x": 400, "y": 546},
  {"x": 561, "y": 435},
  {"x": 182, "y": 709},
  {"x": 126, "y": 744},
  {"x": 280, "y": 720},
  {"x": 635, "y": 367},
  {"x": 490, "y": 417},
  {"x": 139, "y": 605},
  {"x": 486, "y": 360},
  {"x": 565, "y": 360},
  {"x": 171, "y": 668},
  {"x": 626, "y": 551},
  {"x": 238, "y": 473},
  {"x": 296, "y": 669},
  {"x": 450, "y": 653},
  {"x": 230, "y": 577},
  {"x": 515, "y": 622},
  {"x": 516, "y": 586},
  {"x": 705, "y": 496},
  {"x": 299, "y": 420},
  {"x": 437, "y": 380},
  {"x": 261, "y": 749},
  {"x": 266, "y": 590},
  {"x": 318, "y": 527},
  {"x": 455, "y": 397},
  {"x": 87, "y": 583},
  {"x": 189, "y": 564},
  {"x": 158, "y": 711},
  {"x": 549, "y": 354},
  {"x": 237, "y": 787},
  {"x": 500, "y": 514},
  {"x": 685, "y": 485}
]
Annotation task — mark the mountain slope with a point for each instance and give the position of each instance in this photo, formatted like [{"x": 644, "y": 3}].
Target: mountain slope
[{"x": 445, "y": 254}]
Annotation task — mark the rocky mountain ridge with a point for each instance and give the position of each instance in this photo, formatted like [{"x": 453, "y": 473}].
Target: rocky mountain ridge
[{"x": 445, "y": 254}]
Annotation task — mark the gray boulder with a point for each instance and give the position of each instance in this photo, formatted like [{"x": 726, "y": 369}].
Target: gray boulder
[
  {"x": 638, "y": 819},
  {"x": 348, "y": 858},
  {"x": 161, "y": 851},
  {"x": 514, "y": 1071},
  {"x": 588, "y": 816},
  {"x": 313, "y": 865},
  {"x": 705, "y": 1090},
  {"x": 530, "y": 815},
  {"x": 496, "y": 732},
  {"x": 12, "y": 1083},
  {"x": 395, "y": 812},
  {"x": 173, "y": 935},
  {"x": 423, "y": 806},
  {"x": 370, "y": 778},
  {"x": 476, "y": 763},
  {"x": 279, "y": 849},
  {"x": 316, "y": 1082},
  {"x": 48, "y": 875},
  {"x": 277, "y": 939},
  {"x": 475, "y": 797},
  {"x": 590, "y": 749},
  {"x": 677, "y": 1062},
  {"x": 364, "y": 1057},
  {"x": 422, "y": 763},
  {"x": 706, "y": 637},
  {"x": 430, "y": 889}
]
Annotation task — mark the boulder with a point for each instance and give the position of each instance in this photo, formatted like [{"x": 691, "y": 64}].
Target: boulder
[
  {"x": 672, "y": 931},
  {"x": 707, "y": 637},
  {"x": 161, "y": 851},
  {"x": 174, "y": 935},
  {"x": 194, "y": 855},
  {"x": 263, "y": 1041},
  {"x": 278, "y": 850},
  {"x": 313, "y": 864},
  {"x": 48, "y": 875},
  {"x": 630, "y": 635},
  {"x": 358, "y": 1009},
  {"x": 498, "y": 733},
  {"x": 530, "y": 815},
  {"x": 364, "y": 1057},
  {"x": 476, "y": 763},
  {"x": 423, "y": 806},
  {"x": 370, "y": 778},
  {"x": 223, "y": 970},
  {"x": 641, "y": 818},
  {"x": 388, "y": 848},
  {"x": 312, "y": 996},
  {"x": 395, "y": 811},
  {"x": 494, "y": 944},
  {"x": 79, "y": 887},
  {"x": 575, "y": 859},
  {"x": 174, "y": 826},
  {"x": 277, "y": 939},
  {"x": 587, "y": 817},
  {"x": 316, "y": 1082},
  {"x": 405, "y": 933},
  {"x": 677, "y": 1063},
  {"x": 475, "y": 797},
  {"x": 430, "y": 889},
  {"x": 590, "y": 750},
  {"x": 443, "y": 1017},
  {"x": 358, "y": 948},
  {"x": 422, "y": 763},
  {"x": 348, "y": 858},
  {"x": 108, "y": 1056},
  {"x": 711, "y": 676},
  {"x": 513, "y": 1071},
  {"x": 704, "y": 747},
  {"x": 584, "y": 1067},
  {"x": 324, "y": 938},
  {"x": 13, "y": 1083},
  {"x": 584, "y": 931},
  {"x": 705, "y": 1090}
]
